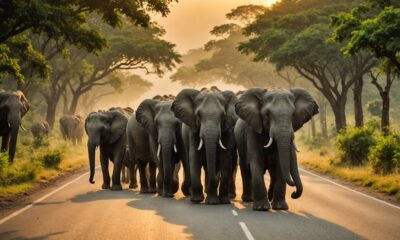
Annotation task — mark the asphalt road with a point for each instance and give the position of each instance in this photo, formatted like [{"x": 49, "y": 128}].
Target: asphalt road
[{"x": 80, "y": 210}]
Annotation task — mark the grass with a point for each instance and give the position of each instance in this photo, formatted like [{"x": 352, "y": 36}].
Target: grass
[
  {"x": 38, "y": 163},
  {"x": 328, "y": 161}
]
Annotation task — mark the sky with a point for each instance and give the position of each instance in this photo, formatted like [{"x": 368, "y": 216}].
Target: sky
[{"x": 188, "y": 25}]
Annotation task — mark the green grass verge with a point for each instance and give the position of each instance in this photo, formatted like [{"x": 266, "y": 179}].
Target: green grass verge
[
  {"x": 327, "y": 161},
  {"x": 38, "y": 163}
]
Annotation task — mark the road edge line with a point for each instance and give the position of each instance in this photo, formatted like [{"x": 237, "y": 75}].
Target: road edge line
[
  {"x": 246, "y": 231},
  {"x": 351, "y": 190},
  {"x": 16, "y": 213}
]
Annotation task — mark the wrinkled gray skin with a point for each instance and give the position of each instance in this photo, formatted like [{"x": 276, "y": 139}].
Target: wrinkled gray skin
[
  {"x": 157, "y": 118},
  {"x": 141, "y": 152},
  {"x": 107, "y": 130},
  {"x": 72, "y": 128},
  {"x": 208, "y": 116},
  {"x": 40, "y": 129},
  {"x": 274, "y": 115},
  {"x": 13, "y": 106}
]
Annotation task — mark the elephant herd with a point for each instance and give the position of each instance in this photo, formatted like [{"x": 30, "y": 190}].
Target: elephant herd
[{"x": 210, "y": 130}]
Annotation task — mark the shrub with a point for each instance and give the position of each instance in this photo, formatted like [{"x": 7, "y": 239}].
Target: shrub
[
  {"x": 385, "y": 156},
  {"x": 3, "y": 161},
  {"x": 52, "y": 159},
  {"x": 355, "y": 144},
  {"x": 12, "y": 175}
]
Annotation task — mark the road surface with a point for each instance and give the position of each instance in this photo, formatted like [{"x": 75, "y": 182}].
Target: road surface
[{"x": 79, "y": 210}]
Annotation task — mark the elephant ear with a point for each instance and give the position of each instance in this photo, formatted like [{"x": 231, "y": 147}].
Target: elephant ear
[
  {"x": 305, "y": 105},
  {"x": 183, "y": 107},
  {"x": 145, "y": 115},
  {"x": 231, "y": 116},
  {"x": 117, "y": 126},
  {"x": 248, "y": 108}
]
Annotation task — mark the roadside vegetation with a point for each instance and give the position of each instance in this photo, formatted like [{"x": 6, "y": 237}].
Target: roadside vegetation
[{"x": 38, "y": 162}]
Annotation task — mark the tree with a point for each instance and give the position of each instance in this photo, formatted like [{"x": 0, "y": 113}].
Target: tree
[
  {"x": 66, "y": 19},
  {"x": 298, "y": 41},
  {"x": 372, "y": 26},
  {"x": 246, "y": 13}
]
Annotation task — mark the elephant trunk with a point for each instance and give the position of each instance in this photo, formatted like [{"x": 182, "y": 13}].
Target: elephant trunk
[
  {"x": 284, "y": 147},
  {"x": 13, "y": 140},
  {"x": 211, "y": 141},
  {"x": 166, "y": 153},
  {"x": 294, "y": 172},
  {"x": 92, "y": 154}
]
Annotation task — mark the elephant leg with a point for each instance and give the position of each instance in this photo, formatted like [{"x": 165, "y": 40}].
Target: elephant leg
[
  {"x": 185, "y": 188},
  {"x": 144, "y": 186},
  {"x": 232, "y": 185},
  {"x": 159, "y": 182},
  {"x": 261, "y": 202},
  {"x": 5, "y": 142},
  {"x": 123, "y": 174},
  {"x": 104, "y": 167},
  {"x": 226, "y": 176},
  {"x": 271, "y": 184},
  {"x": 247, "y": 195},
  {"x": 175, "y": 177},
  {"x": 118, "y": 157},
  {"x": 132, "y": 175},
  {"x": 153, "y": 179},
  {"x": 195, "y": 175},
  {"x": 279, "y": 189}
]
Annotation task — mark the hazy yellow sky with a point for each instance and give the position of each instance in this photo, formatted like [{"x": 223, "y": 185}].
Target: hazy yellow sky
[{"x": 190, "y": 21}]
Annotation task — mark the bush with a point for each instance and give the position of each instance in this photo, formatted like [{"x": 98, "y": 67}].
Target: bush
[
  {"x": 355, "y": 144},
  {"x": 12, "y": 175},
  {"x": 52, "y": 159},
  {"x": 3, "y": 161},
  {"x": 385, "y": 156}
]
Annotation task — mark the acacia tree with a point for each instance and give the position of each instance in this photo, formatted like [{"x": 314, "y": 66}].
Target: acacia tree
[
  {"x": 298, "y": 40},
  {"x": 64, "y": 19}
]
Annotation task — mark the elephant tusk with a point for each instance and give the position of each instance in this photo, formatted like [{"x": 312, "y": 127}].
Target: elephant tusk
[
  {"x": 221, "y": 145},
  {"x": 295, "y": 147},
  {"x": 175, "y": 149},
  {"x": 9, "y": 125},
  {"x": 159, "y": 151},
  {"x": 269, "y": 143},
  {"x": 22, "y": 127},
  {"x": 200, "y": 144}
]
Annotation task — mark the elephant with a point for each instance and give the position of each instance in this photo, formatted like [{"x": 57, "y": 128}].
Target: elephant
[
  {"x": 208, "y": 118},
  {"x": 157, "y": 118},
  {"x": 141, "y": 152},
  {"x": 72, "y": 128},
  {"x": 40, "y": 129},
  {"x": 13, "y": 107},
  {"x": 107, "y": 130},
  {"x": 265, "y": 137}
]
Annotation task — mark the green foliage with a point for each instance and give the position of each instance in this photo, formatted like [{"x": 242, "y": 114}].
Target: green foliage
[
  {"x": 11, "y": 174},
  {"x": 375, "y": 108},
  {"x": 373, "y": 26},
  {"x": 385, "y": 156},
  {"x": 51, "y": 159},
  {"x": 355, "y": 144}
]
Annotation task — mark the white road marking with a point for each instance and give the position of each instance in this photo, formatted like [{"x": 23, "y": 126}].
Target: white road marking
[
  {"x": 246, "y": 231},
  {"x": 14, "y": 214},
  {"x": 234, "y": 213},
  {"x": 351, "y": 190}
]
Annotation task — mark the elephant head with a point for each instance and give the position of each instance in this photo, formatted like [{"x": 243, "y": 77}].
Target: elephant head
[
  {"x": 13, "y": 106},
  {"x": 103, "y": 128},
  {"x": 279, "y": 113},
  {"x": 209, "y": 114}
]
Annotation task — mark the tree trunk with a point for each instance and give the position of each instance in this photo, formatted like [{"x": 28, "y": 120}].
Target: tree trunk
[
  {"x": 74, "y": 103},
  {"x": 340, "y": 115},
  {"x": 313, "y": 129},
  {"x": 322, "y": 119},
  {"x": 385, "y": 118},
  {"x": 65, "y": 104},
  {"x": 51, "y": 113},
  {"x": 358, "y": 107}
]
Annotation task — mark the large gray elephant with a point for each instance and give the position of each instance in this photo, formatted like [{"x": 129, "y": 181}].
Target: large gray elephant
[
  {"x": 13, "y": 106},
  {"x": 72, "y": 128},
  {"x": 107, "y": 130},
  {"x": 209, "y": 118},
  {"x": 157, "y": 118},
  {"x": 141, "y": 152},
  {"x": 40, "y": 129},
  {"x": 265, "y": 137}
]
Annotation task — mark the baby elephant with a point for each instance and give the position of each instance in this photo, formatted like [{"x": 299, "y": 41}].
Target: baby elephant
[{"x": 40, "y": 129}]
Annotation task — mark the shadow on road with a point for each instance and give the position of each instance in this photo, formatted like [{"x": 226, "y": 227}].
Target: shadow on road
[
  {"x": 13, "y": 235},
  {"x": 103, "y": 195},
  {"x": 204, "y": 221}
]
